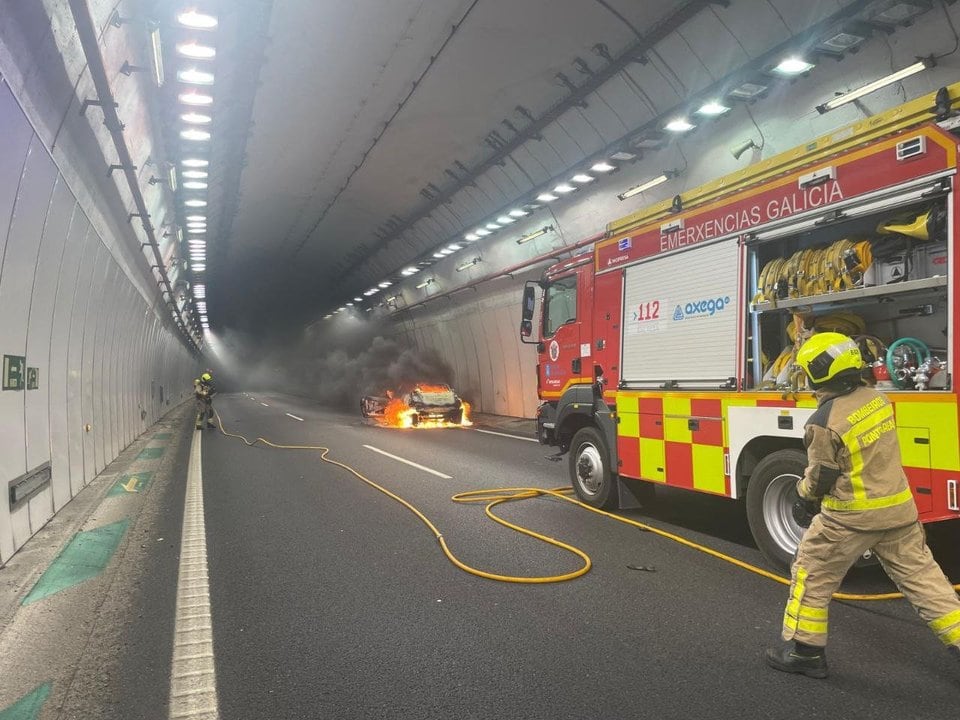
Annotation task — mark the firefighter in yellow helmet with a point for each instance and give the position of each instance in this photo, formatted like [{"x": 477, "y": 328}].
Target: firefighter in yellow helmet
[
  {"x": 204, "y": 391},
  {"x": 854, "y": 497}
]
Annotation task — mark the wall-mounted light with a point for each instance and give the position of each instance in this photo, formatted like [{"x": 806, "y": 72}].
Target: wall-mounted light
[
  {"x": 652, "y": 183},
  {"x": 535, "y": 234},
  {"x": 875, "y": 85},
  {"x": 156, "y": 56},
  {"x": 428, "y": 281},
  {"x": 468, "y": 264}
]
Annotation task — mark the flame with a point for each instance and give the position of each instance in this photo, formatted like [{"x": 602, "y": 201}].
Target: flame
[{"x": 398, "y": 414}]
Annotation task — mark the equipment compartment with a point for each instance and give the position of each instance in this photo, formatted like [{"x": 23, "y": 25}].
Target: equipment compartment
[{"x": 881, "y": 278}]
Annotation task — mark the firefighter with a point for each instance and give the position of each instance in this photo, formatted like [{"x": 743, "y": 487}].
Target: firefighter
[
  {"x": 204, "y": 391},
  {"x": 854, "y": 498}
]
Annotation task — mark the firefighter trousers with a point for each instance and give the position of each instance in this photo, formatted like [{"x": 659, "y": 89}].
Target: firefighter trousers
[
  {"x": 204, "y": 411},
  {"x": 827, "y": 551}
]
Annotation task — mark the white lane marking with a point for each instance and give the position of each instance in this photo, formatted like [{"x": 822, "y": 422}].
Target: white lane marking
[
  {"x": 294, "y": 417},
  {"x": 409, "y": 462},
  {"x": 264, "y": 404},
  {"x": 193, "y": 679},
  {"x": 515, "y": 437}
]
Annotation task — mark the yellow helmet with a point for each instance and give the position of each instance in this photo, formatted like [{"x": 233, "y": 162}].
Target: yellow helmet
[
  {"x": 206, "y": 377},
  {"x": 826, "y": 355}
]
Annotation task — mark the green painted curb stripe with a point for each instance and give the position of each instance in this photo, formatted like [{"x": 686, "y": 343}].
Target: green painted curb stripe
[
  {"x": 120, "y": 486},
  {"x": 84, "y": 557},
  {"x": 150, "y": 453},
  {"x": 162, "y": 436},
  {"x": 29, "y": 706}
]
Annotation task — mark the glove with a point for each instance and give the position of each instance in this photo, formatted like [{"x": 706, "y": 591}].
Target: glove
[{"x": 804, "y": 511}]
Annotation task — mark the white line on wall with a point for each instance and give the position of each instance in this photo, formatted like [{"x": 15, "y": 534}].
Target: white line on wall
[
  {"x": 294, "y": 417},
  {"x": 193, "y": 680},
  {"x": 409, "y": 462},
  {"x": 515, "y": 437}
]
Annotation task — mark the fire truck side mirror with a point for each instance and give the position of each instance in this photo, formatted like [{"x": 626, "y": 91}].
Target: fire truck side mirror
[
  {"x": 526, "y": 328},
  {"x": 529, "y": 304}
]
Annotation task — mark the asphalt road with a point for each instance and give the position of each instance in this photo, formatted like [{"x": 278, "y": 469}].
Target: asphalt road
[{"x": 331, "y": 600}]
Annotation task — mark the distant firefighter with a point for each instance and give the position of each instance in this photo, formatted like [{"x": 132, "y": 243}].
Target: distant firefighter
[{"x": 204, "y": 391}]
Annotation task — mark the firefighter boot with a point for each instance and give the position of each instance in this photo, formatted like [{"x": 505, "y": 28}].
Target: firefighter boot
[{"x": 798, "y": 658}]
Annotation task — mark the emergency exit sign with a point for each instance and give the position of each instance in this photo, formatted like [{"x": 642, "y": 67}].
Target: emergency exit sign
[{"x": 13, "y": 366}]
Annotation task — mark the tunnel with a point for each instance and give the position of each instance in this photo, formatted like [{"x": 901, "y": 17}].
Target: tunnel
[{"x": 455, "y": 358}]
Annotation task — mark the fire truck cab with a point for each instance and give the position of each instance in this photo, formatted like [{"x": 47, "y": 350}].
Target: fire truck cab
[{"x": 666, "y": 355}]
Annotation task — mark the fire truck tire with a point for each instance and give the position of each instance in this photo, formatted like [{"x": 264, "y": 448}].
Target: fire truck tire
[
  {"x": 590, "y": 472},
  {"x": 771, "y": 494}
]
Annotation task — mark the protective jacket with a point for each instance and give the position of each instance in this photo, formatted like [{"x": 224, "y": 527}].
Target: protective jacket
[
  {"x": 854, "y": 462},
  {"x": 204, "y": 390}
]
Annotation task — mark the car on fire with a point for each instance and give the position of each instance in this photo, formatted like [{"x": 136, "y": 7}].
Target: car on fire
[{"x": 423, "y": 403}]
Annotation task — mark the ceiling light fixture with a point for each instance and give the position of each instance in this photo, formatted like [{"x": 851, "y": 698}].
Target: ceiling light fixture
[
  {"x": 445, "y": 252},
  {"x": 518, "y": 213},
  {"x": 195, "y": 77},
  {"x": 195, "y": 203},
  {"x": 439, "y": 255},
  {"x": 582, "y": 178},
  {"x": 492, "y": 226},
  {"x": 748, "y": 91},
  {"x": 897, "y": 13},
  {"x": 505, "y": 220},
  {"x": 623, "y": 156},
  {"x": 196, "y": 20},
  {"x": 194, "y": 162},
  {"x": 196, "y": 218},
  {"x": 196, "y": 51},
  {"x": 199, "y": 268},
  {"x": 564, "y": 188},
  {"x": 652, "y": 183},
  {"x": 793, "y": 66},
  {"x": 196, "y": 99},
  {"x": 535, "y": 234},
  {"x": 194, "y": 134},
  {"x": 712, "y": 107},
  {"x": 384, "y": 285},
  {"x": 471, "y": 237},
  {"x": 875, "y": 85},
  {"x": 468, "y": 264},
  {"x": 603, "y": 167},
  {"x": 407, "y": 272},
  {"x": 193, "y": 174},
  {"x": 453, "y": 247},
  {"x": 358, "y": 299},
  {"x": 547, "y": 197},
  {"x": 428, "y": 281},
  {"x": 195, "y": 185},
  {"x": 482, "y": 232},
  {"x": 679, "y": 125},
  {"x": 196, "y": 118}
]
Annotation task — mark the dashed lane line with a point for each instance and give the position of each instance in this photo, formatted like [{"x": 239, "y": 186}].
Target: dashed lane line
[
  {"x": 294, "y": 417},
  {"x": 409, "y": 462},
  {"x": 264, "y": 404}
]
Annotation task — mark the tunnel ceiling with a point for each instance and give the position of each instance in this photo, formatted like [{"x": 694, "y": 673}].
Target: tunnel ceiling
[{"x": 339, "y": 125}]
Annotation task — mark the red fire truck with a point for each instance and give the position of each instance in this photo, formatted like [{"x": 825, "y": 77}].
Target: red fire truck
[{"x": 666, "y": 355}]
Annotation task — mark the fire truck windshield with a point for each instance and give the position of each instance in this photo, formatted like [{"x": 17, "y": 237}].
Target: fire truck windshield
[{"x": 560, "y": 304}]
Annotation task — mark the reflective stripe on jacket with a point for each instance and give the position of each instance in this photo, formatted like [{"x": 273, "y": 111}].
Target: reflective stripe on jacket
[{"x": 854, "y": 461}]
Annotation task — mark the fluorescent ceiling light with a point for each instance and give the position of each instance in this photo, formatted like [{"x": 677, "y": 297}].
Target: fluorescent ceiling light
[
  {"x": 194, "y": 185},
  {"x": 194, "y": 134},
  {"x": 196, "y": 51},
  {"x": 199, "y": 268},
  {"x": 385, "y": 284},
  {"x": 196, "y": 218},
  {"x": 426, "y": 282},
  {"x": 194, "y": 162},
  {"x": 871, "y": 87},
  {"x": 623, "y": 156},
  {"x": 679, "y": 125},
  {"x": 195, "y": 203},
  {"x": 371, "y": 291},
  {"x": 195, "y": 98},
  {"x": 564, "y": 188},
  {"x": 193, "y": 174},
  {"x": 445, "y": 252},
  {"x": 196, "y": 118},
  {"x": 197, "y": 20},
  {"x": 492, "y": 226},
  {"x": 197, "y": 231},
  {"x": 349, "y": 304},
  {"x": 643, "y": 187},
  {"x": 747, "y": 91},
  {"x": 439, "y": 255},
  {"x": 603, "y": 167},
  {"x": 518, "y": 213},
  {"x": 468, "y": 264},
  {"x": 407, "y": 272},
  {"x": 547, "y": 197},
  {"x": 535, "y": 234},
  {"x": 195, "y": 77},
  {"x": 481, "y": 232},
  {"x": 505, "y": 220},
  {"x": 582, "y": 178},
  {"x": 453, "y": 247},
  {"x": 712, "y": 107},
  {"x": 900, "y": 12},
  {"x": 842, "y": 42},
  {"x": 471, "y": 237},
  {"x": 793, "y": 66},
  {"x": 156, "y": 56}
]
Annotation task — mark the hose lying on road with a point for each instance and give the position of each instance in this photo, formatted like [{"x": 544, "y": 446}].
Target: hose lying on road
[{"x": 497, "y": 496}]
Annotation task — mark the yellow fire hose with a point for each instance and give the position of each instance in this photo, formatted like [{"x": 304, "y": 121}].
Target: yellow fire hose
[{"x": 497, "y": 496}]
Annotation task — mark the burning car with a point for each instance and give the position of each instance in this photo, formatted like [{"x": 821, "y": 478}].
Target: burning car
[{"x": 423, "y": 406}]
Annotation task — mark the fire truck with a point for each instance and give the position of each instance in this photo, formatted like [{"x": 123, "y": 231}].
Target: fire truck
[{"x": 666, "y": 355}]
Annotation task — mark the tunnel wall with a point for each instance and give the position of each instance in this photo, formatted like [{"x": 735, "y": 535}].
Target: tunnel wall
[{"x": 98, "y": 365}]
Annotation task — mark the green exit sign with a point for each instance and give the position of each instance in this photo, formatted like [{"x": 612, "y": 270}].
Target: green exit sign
[{"x": 13, "y": 366}]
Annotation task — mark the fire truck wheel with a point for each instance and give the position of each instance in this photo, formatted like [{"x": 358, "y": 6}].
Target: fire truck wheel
[
  {"x": 771, "y": 493},
  {"x": 590, "y": 469}
]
